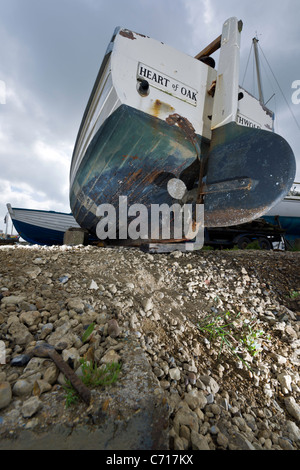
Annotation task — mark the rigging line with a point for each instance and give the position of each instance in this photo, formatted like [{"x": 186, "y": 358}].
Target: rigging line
[
  {"x": 280, "y": 90},
  {"x": 269, "y": 99},
  {"x": 247, "y": 64},
  {"x": 269, "y": 81}
]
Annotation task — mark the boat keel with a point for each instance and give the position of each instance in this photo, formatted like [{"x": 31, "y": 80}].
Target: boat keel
[{"x": 249, "y": 170}]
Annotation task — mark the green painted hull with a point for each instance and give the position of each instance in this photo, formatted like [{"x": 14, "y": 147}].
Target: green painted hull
[
  {"x": 134, "y": 155},
  {"x": 246, "y": 171}
]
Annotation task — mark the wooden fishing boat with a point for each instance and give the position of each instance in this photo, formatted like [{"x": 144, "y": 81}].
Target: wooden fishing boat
[
  {"x": 157, "y": 114},
  {"x": 41, "y": 227}
]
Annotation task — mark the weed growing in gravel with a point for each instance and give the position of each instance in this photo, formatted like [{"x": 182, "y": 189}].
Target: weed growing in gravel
[
  {"x": 254, "y": 245},
  {"x": 88, "y": 332},
  {"x": 102, "y": 376},
  {"x": 232, "y": 334},
  {"x": 71, "y": 395},
  {"x": 92, "y": 376}
]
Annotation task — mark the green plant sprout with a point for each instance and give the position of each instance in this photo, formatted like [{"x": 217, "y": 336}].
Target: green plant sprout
[
  {"x": 102, "y": 376},
  {"x": 92, "y": 376},
  {"x": 71, "y": 395},
  {"x": 250, "y": 339},
  {"x": 232, "y": 334},
  {"x": 88, "y": 332}
]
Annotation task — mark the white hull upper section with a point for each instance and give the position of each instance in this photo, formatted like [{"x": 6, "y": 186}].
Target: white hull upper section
[
  {"x": 251, "y": 113},
  {"x": 177, "y": 83},
  {"x": 286, "y": 208},
  {"x": 289, "y": 206}
]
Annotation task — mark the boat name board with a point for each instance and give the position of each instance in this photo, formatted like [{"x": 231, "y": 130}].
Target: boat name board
[
  {"x": 244, "y": 121},
  {"x": 167, "y": 84}
]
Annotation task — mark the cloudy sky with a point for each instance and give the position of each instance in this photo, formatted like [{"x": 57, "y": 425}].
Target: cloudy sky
[{"x": 50, "y": 53}]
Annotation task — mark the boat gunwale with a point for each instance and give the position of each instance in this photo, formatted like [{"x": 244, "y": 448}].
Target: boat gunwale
[{"x": 94, "y": 91}]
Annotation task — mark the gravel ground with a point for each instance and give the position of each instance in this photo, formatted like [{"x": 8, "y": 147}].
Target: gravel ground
[{"x": 214, "y": 397}]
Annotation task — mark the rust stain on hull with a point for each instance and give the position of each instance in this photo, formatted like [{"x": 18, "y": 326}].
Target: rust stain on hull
[
  {"x": 132, "y": 157},
  {"x": 190, "y": 133},
  {"x": 131, "y": 179},
  {"x": 245, "y": 184},
  {"x": 160, "y": 107},
  {"x": 184, "y": 124},
  {"x": 127, "y": 34}
]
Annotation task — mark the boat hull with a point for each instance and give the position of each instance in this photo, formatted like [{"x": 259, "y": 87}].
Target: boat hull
[
  {"x": 41, "y": 227},
  {"x": 39, "y": 235},
  {"x": 287, "y": 214},
  {"x": 291, "y": 225},
  {"x": 134, "y": 155}
]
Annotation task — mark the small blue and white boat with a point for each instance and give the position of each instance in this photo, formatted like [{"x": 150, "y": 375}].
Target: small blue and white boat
[
  {"x": 287, "y": 213},
  {"x": 41, "y": 227}
]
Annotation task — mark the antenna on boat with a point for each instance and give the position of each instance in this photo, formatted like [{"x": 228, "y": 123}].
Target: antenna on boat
[
  {"x": 259, "y": 83},
  {"x": 6, "y": 224}
]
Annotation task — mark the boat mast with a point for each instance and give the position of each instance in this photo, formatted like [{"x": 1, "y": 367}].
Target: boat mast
[
  {"x": 6, "y": 225},
  {"x": 260, "y": 91}
]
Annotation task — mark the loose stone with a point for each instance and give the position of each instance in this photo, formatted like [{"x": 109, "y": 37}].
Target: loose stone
[
  {"x": 21, "y": 360},
  {"x": 5, "y": 394},
  {"x": 31, "y": 406},
  {"x": 22, "y": 388},
  {"x": 174, "y": 373},
  {"x": 292, "y": 407},
  {"x": 109, "y": 357}
]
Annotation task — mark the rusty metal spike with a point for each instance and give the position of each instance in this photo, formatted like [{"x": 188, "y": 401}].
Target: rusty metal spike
[{"x": 46, "y": 350}]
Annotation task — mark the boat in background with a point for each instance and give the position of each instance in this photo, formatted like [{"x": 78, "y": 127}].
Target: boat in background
[
  {"x": 8, "y": 239},
  {"x": 5, "y": 237},
  {"x": 41, "y": 227},
  {"x": 157, "y": 114},
  {"x": 287, "y": 214}
]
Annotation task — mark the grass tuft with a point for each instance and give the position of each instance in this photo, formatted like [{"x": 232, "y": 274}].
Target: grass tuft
[
  {"x": 92, "y": 376},
  {"x": 232, "y": 334}
]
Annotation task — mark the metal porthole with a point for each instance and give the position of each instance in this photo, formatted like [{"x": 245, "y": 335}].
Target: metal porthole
[{"x": 143, "y": 87}]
